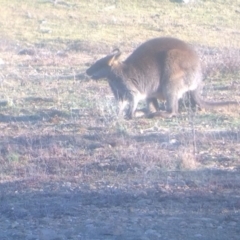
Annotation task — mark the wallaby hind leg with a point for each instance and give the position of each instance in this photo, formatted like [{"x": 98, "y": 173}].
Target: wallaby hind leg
[
  {"x": 196, "y": 98},
  {"x": 152, "y": 104},
  {"x": 187, "y": 102},
  {"x": 171, "y": 107}
]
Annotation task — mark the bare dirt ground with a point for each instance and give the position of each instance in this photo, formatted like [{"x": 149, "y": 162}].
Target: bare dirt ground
[{"x": 173, "y": 206}]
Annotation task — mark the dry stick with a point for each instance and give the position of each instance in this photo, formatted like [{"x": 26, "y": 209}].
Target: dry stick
[
  {"x": 191, "y": 116},
  {"x": 194, "y": 134}
]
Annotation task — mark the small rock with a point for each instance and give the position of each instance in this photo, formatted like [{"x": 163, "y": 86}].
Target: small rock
[
  {"x": 30, "y": 235},
  {"x": 26, "y": 51},
  {"x": 2, "y": 62},
  {"x": 90, "y": 228},
  {"x": 62, "y": 54},
  {"x": 152, "y": 234},
  {"x": 210, "y": 225},
  {"x": 112, "y": 230},
  {"x": 233, "y": 224},
  {"x": 21, "y": 213},
  {"x": 48, "y": 234},
  {"x": 3, "y": 103},
  {"x": 183, "y": 224},
  {"x": 198, "y": 235},
  {"x": 15, "y": 224},
  {"x": 143, "y": 202}
]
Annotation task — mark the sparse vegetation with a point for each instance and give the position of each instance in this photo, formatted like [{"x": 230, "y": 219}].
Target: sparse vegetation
[{"x": 71, "y": 169}]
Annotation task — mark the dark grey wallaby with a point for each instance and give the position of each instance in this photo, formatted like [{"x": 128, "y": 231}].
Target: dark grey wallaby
[{"x": 161, "y": 68}]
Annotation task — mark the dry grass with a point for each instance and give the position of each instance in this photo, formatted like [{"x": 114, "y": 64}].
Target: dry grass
[{"x": 56, "y": 129}]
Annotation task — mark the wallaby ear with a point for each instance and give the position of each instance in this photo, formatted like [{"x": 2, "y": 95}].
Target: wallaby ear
[{"x": 114, "y": 57}]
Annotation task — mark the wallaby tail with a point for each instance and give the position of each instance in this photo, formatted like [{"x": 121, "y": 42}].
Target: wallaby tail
[{"x": 211, "y": 105}]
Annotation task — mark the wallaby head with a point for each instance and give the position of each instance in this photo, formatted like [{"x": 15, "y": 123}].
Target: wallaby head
[
  {"x": 161, "y": 68},
  {"x": 113, "y": 69},
  {"x": 102, "y": 67}
]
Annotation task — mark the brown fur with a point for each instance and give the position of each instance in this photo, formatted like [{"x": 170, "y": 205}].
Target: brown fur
[{"x": 161, "y": 68}]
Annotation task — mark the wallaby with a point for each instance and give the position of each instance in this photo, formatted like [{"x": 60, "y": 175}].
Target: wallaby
[{"x": 162, "y": 68}]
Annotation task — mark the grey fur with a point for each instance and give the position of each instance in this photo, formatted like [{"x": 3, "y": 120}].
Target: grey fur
[{"x": 161, "y": 68}]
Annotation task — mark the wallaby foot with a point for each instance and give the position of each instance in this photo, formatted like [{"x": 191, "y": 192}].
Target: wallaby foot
[
  {"x": 162, "y": 114},
  {"x": 141, "y": 112}
]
